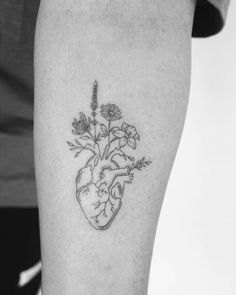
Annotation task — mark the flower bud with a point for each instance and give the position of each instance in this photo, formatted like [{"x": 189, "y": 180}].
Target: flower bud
[{"x": 94, "y": 104}]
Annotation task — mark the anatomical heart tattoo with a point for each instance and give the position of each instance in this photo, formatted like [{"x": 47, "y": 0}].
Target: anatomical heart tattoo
[{"x": 100, "y": 183}]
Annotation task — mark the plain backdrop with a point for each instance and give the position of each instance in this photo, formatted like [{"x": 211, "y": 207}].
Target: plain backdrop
[{"x": 195, "y": 247}]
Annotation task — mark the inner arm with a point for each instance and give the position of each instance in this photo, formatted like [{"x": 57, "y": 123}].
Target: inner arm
[{"x": 139, "y": 53}]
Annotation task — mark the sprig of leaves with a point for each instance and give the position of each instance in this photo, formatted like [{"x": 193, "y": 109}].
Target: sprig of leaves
[
  {"x": 80, "y": 147},
  {"x": 140, "y": 164}
]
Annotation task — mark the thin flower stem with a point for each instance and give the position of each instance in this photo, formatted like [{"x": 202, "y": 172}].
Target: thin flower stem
[
  {"x": 108, "y": 141},
  {"x": 92, "y": 137},
  {"x": 114, "y": 139},
  {"x": 95, "y": 139},
  {"x": 95, "y": 129},
  {"x": 84, "y": 147},
  {"x": 109, "y": 127},
  {"x": 99, "y": 150}
]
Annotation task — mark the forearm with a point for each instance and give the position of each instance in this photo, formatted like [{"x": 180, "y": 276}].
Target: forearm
[{"x": 140, "y": 55}]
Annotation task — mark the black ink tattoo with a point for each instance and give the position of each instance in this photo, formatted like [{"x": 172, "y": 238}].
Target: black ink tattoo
[{"x": 101, "y": 182}]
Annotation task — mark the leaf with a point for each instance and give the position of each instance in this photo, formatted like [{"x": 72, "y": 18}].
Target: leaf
[
  {"x": 103, "y": 128},
  {"x": 132, "y": 143},
  {"x": 122, "y": 141},
  {"x": 85, "y": 137},
  {"x": 98, "y": 137},
  {"x": 70, "y": 143},
  {"x": 130, "y": 158},
  {"x": 119, "y": 133},
  {"x": 74, "y": 148},
  {"x": 77, "y": 154},
  {"x": 140, "y": 164},
  {"x": 115, "y": 128},
  {"x": 76, "y": 140},
  {"x": 96, "y": 161},
  {"x": 88, "y": 145}
]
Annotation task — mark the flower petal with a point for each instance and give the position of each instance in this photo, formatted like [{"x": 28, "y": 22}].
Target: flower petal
[
  {"x": 123, "y": 141},
  {"x": 124, "y": 126},
  {"x": 119, "y": 133},
  {"x": 82, "y": 116},
  {"x": 132, "y": 142},
  {"x": 110, "y": 112},
  {"x": 137, "y": 136}
]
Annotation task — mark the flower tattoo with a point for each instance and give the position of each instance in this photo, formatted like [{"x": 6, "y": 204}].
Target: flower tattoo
[
  {"x": 101, "y": 182},
  {"x": 82, "y": 125},
  {"x": 110, "y": 112},
  {"x": 127, "y": 135}
]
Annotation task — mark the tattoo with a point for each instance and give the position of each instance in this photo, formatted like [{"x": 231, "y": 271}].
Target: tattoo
[{"x": 100, "y": 183}]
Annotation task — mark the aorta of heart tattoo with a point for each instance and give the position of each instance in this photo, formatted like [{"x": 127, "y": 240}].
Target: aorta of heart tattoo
[{"x": 100, "y": 183}]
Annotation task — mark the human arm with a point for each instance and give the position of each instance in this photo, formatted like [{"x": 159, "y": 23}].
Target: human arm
[{"x": 139, "y": 52}]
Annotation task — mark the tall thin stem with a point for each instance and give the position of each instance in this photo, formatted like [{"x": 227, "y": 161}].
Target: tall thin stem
[
  {"x": 96, "y": 139},
  {"x": 108, "y": 141},
  {"x": 109, "y": 127}
]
